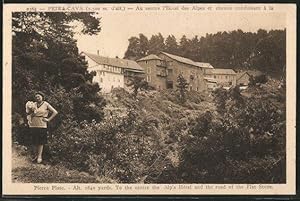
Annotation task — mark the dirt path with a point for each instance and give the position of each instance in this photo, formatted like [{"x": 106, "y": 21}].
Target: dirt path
[{"x": 25, "y": 171}]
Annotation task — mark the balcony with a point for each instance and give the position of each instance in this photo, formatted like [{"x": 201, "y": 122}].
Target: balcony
[
  {"x": 161, "y": 74},
  {"x": 162, "y": 64}
]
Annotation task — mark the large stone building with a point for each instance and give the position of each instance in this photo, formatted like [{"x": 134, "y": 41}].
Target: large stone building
[
  {"x": 112, "y": 72},
  {"x": 162, "y": 71}
]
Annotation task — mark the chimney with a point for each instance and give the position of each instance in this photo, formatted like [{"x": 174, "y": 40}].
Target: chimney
[{"x": 98, "y": 52}]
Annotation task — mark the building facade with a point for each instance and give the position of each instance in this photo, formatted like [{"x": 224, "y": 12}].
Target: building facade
[
  {"x": 223, "y": 77},
  {"x": 211, "y": 83},
  {"x": 155, "y": 71},
  {"x": 162, "y": 71},
  {"x": 243, "y": 77},
  {"x": 111, "y": 72}
]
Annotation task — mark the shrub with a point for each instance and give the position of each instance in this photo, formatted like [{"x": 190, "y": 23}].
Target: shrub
[
  {"x": 244, "y": 143},
  {"x": 119, "y": 148}
]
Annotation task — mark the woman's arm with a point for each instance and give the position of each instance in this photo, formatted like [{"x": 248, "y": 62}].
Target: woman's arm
[{"x": 53, "y": 111}]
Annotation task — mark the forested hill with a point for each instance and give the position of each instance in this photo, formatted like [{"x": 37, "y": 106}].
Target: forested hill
[{"x": 262, "y": 50}]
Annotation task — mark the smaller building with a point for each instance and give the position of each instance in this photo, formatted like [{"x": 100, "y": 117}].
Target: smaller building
[
  {"x": 224, "y": 77},
  {"x": 211, "y": 83},
  {"x": 243, "y": 77}
]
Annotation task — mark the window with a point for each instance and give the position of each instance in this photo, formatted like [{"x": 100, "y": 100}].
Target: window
[
  {"x": 191, "y": 88},
  {"x": 225, "y": 77},
  {"x": 215, "y": 76},
  {"x": 146, "y": 62},
  {"x": 149, "y": 70},
  {"x": 101, "y": 80},
  {"x": 103, "y": 73}
]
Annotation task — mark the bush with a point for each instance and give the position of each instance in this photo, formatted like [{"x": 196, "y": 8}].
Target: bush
[
  {"x": 118, "y": 148},
  {"x": 244, "y": 143}
]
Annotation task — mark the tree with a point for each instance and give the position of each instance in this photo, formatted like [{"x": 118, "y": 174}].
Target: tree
[
  {"x": 171, "y": 45},
  {"x": 193, "y": 52},
  {"x": 269, "y": 54},
  {"x": 156, "y": 44},
  {"x": 144, "y": 45},
  {"x": 264, "y": 51},
  {"x": 133, "y": 51},
  {"x": 138, "y": 83},
  {"x": 182, "y": 87},
  {"x": 184, "y": 46},
  {"x": 137, "y": 48},
  {"x": 45, "y": 57}
]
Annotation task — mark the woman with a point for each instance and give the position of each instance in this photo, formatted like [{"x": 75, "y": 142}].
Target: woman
[{"x": 38, "y": 124}]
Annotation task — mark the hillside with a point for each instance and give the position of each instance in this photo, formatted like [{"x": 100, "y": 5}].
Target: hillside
[{"x": 154, "y": 138}]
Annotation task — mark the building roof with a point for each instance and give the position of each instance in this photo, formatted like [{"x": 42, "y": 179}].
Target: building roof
[
  {"x": 223, "y": 71},
  {"x": 253, "y": 73},
  {"x": 122, "y": 63},
  {"x": 204, "y": 65},
  {"x": 240, "y": 74},
  {"x": 209, "y": 79},
  {"x": 150, "y": 57},
  {"x": 188, "y": 61}
]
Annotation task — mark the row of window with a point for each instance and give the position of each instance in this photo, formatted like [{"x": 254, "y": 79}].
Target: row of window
[
  {"x": 109, "y": 79},
  {"x": 191, "y": 77},
  {"x": 112, "y": 68},
  {"x": 161, "y": 63},
  {"x": 176, "y": 71},
  {"x": 223, "y": 76}
]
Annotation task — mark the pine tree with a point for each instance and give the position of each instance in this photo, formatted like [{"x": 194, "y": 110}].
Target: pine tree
[
  {"x": 182, "y": 87},
  {"x": 171, "y": 45}
]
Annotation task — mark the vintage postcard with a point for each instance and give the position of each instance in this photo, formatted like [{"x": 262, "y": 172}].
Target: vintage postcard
[{"x": 149, "y": 99}]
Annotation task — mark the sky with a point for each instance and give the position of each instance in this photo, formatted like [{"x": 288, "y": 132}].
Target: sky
[{"x": 118, "y": 27}]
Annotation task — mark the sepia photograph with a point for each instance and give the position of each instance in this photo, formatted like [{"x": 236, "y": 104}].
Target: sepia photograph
[{"x": 141, "y": 94}]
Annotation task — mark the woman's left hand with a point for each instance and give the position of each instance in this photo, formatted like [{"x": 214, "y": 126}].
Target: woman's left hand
[{"x": 46, "y": 120}]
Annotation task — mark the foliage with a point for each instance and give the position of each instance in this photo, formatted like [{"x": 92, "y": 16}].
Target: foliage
[
  {"x": 244, "y": 143},
  {"x": 171, "y": 45},
  {"x": 260, "y": 79},
  {"x": 118, "y": 148},
  {"x": 156, "y": 44},
  {"x": 138, "y": 47},
  {"x": 182, "y": 87},
  {"x": 45, "y": 58},
  {"x": 138, "y": 83},
  {"x": 261, "y": 50}
]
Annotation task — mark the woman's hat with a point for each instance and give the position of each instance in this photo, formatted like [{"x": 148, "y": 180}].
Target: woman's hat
[{"x": 40, "y": 93}]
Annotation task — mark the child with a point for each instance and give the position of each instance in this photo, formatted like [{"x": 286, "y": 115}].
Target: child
[{"x": 30, "y": 110}]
